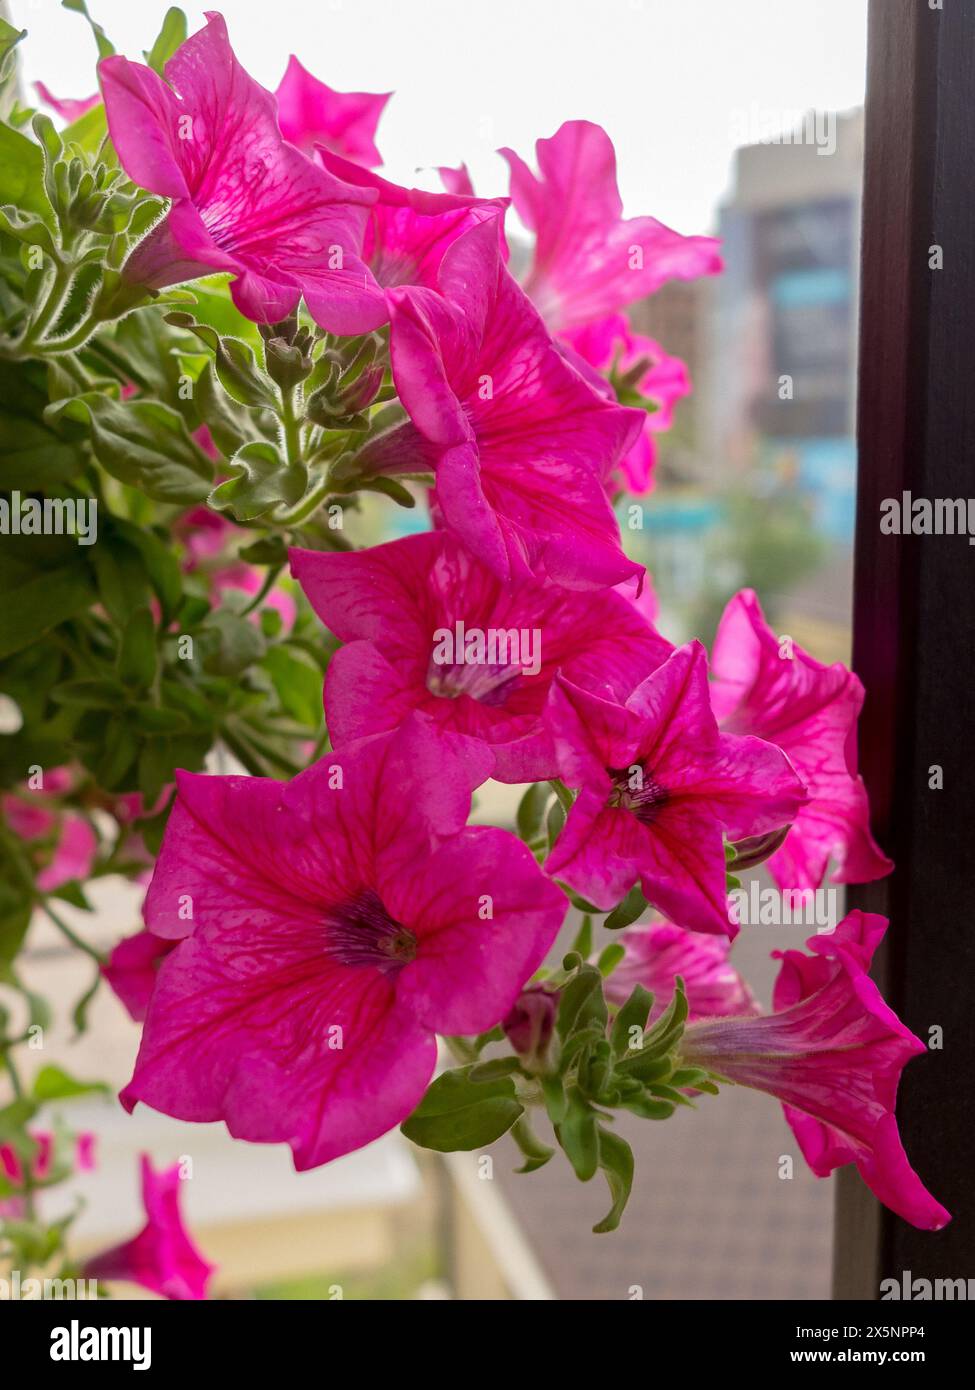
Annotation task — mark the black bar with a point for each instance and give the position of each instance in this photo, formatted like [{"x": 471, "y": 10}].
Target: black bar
[{"x": 914, "y": 615}]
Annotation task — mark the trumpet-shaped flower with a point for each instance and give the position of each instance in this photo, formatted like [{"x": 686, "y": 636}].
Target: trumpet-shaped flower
[
  {"x": 310, "y": 113},
  {"x": 428, "y": 627},
  {"x": 589, "y": 260},
  {"x": 244, "y": 199},
  {"x": 774, "y": 689},
  {"x": 833, "y": 1053},
  {"x": 658, "y": 786},
  {"x": 162, "y": 1257},
  {"x": 327, "y": 929},
  {"x": 517, "y": 438}
]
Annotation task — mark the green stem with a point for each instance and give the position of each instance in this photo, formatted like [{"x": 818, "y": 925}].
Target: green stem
[
  {"x": 71, "y": 935},
  {"x": 292, "y": 427},
  {"x": 305, "y": 507},
  {"x": 51, "y": 307},
  {"x": 265, "y": 589}
]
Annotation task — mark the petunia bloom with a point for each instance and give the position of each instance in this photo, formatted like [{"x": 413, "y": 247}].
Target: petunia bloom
[
  {"x": 327, "y": 929},
  {"x": 49, "y": 1150},
  {"x": 658, "y": 786},
  {"x": 589, "y": 260},
  {"x": 658, "y": 951},
  {"x": 408, "y": 230},
  {"x": 427, "y": 627},
  {"x": 517, "y": 438},
  {"x": 646, "y": 373},
  {"x": 244, "y": 199},
  {"x": 776, "y": 690},
  {"x": 66, "y": 843},
  {"x": 68, "y": 108},
  {"x": 310, "y": 113},
  {"x": 132, "y": 967},
  {"x": 833, "y": 1053},
  {"x": 162, "y": 1257}
]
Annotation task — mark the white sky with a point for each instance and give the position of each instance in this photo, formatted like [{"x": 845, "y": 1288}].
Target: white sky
[{"x": 671, "y": 80}]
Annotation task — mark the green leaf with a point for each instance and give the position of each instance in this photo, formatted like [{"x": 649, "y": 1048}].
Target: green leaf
[
  {"x": 616, "y": 1161},
  {"x": 581, "y": 1002},
  {"x": 577, "y": 1135},
  {"x": 9, "y": 39},
  {"x": 531, "y": 810},
  {"x": 22, "y": 173},
  {"x": 609, "y": 958},
  {"x": 138, "y": 657},
  {"x": 261, "y": 481},
  {"x": 169, "y": 38},
  {"x": 105, "y": 47},
  {"x": 143, "y": 443},
  {"x": 298, "y": 683},
  {"x": 161, "y": 565},
  {"x": 229, "y": 643},
  {"x": 536, "y": 1153},
  {"x": 457, "y": 1113},
  {"x": 633, "y": 1014},
  {"x": 492, "y": 1069},
  {"x": 51, "y": 1083},
  {"x": 36, "y": 602},
  {"x": 633, "y": 906}
]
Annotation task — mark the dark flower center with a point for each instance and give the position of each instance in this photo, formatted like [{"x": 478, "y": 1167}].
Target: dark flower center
[
  {"x": 361, "y": 932},
  {"x": 488, "y": 684},
  {"x": 635, "y": 789}
]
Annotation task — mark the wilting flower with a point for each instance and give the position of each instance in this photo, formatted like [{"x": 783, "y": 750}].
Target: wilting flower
[
  {"x": 780, "y": 693},
  {"x": 658, "y": 785},
  {"x": 641, "y": 371},
  {"x": 244, "y": 200},
  {"x": 328, "y": 928},
  {"x": 310, "y": 114},
  {"x": 517, "y": 438},
  {"x": 132, "y": 967},
  {"x": 589, "y": 260},
  {"x": 833, "y": 1053},
  {"x": 408, "y": 229},
  {"x": 67, "y": 846},
  {"x": 657, "y": 952},
  {"x": 531, "y": 1022},
  {"x": 68, "y": 108},
  {"x": 162, "y": 1257},
  {"x": 428, "y": 627}
]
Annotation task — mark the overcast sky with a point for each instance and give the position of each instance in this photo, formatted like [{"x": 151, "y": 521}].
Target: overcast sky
[{"x": 671, "y": 80}]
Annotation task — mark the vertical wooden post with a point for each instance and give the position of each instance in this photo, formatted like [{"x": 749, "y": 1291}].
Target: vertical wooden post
[{"x": 914, "y": 611}]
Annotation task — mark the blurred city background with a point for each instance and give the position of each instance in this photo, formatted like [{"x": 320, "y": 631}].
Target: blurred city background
[{"x": 740, "y": 120}]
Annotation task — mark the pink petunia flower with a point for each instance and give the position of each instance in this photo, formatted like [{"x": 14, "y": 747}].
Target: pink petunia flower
[
  {"x": 397, "y": 608},
  {"x": 14, "y": 1207},
  {"x": 408, "y": 229},
  {"x": 132, "y": 967},
  {"x": 327, "y": 929},
  {"x": 68, "y": 108},
  {"x": 162, "y": 1257},
  {"x": 244, "y": 199},
  {"x": 71, "y": 845},
  {"x": 310, "y": 113},
  {"x": 833, "y": 1053},
  {"x": 810, "y": 711},
  {"x": 658, "y": 785},
  {"x": 610, "y": 345},
  {"x": 456, "y": 180},
  {"x": 658, "y": 951},
  {"x": 517, "y": 438},
  {"x": 589, "y": 260}
]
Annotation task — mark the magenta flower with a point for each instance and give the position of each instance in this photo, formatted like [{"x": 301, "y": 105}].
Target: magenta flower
[
  {"x": 68, "y": 108},
  {"x": 244, "y": 200},
  {"x": 517, "y": 438},
  {"x": 132, "y": 967},
  {"x": 645, "y": 370},
  {"x": 658, "y": 785},
  {"x": 428, "y": 627},
  {"x": 408, "y": 230},
  {"x": 14, "y": 1207},
  {"x": 589, "y": 260},
  {"x": 833, "y": 1053},
  {"x": 657, "y": 952},
  {"x": 162, "y": 1257},
  {"x": 456, "y": 180},
  {"x": 338, "y": 922},
  {"x": 310, "y": 113},
  {"x": 66, "y": 844},
  {"x": 780, "y": 693}
]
